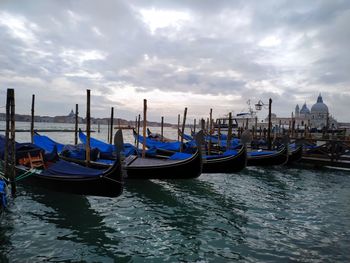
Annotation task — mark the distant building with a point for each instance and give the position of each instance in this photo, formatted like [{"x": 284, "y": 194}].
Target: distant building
[
  {"x": 71, "y": 114},
  {"x": 318, "y": 117}
]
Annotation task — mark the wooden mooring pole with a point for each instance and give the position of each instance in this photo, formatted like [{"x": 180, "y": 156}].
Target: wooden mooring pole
[
  {"x": 229, "y": 132},
  {"x": 88, "y": 124},
  {"x": 144, "y": 128},
  {"x": 270, "y": 126},
  {"x": 76, "y": 124},
  {"x": 202, "y": 124},
  {"x": 210, "y": 129},
  {"x": 111, "y": 128},
  {"x": 162, "y": 128},
  {"x": 10, "y": 150},
  {"x": 178, "y": 127},
  {"x": 138, "y": 131},
  {"x": 135, "y": 130},
  {"x": 219, "y": 133},
  {"x": 32, "y": 120},
  {"x": 194, "y": 126},
  {"x": 183, "y": 130}
]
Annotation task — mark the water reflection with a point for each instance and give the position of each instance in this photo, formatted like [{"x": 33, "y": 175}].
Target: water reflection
[
  {"x": 188, "y": 206},
  {"x": 74, "y": 213},
  {"x": 6, "y": 228}
]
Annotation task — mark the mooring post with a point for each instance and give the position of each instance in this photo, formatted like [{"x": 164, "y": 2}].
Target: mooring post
[
  {"x": 10, "y": 149},
  {"x": 260, "y": 132},
  {"x": 270, "y": 126},
  {"x": 98, "y": 127},
  {"x": 76, "y": 124},
  {"x": 202, "y": 124},
  {"x": 210, "y": 123},
  {"x": 88, "y": 124},
  {"x": 178, "y": 127},
  {"x": 108, "y": 130},
  {"x": 183, "y": 129},
  {"x": 229, "y": 132},
  {"x": 219, "y": 133},
  {"x": 138, "y": 131},
  {"x": 162, "y": 128},
  {"x": 144, "y": 128},
  {"x": 279, "y": 127},
  {"x": 194, "y": 126},
  {"x": 111, "y": 129},
  {"x": 32, "y": 120},
  {"x": 293, "y": 125},
  {"x": 256, "y": 125},
  {"x": 135, "y": 129}
]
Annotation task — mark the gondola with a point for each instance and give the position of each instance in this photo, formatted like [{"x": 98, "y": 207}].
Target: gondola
[
  {"x": 228, "y": 162},
  {"x": 136, "y": 167},
  {"x": 268, "y": 158},
  {"x": 295, "y": 154},
  {"x": 63, "y": 176},
  {"x": 154, "y": 168}
]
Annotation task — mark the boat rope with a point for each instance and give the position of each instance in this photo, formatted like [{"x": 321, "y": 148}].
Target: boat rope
[
  {"x": 25, "y": 175},
  {"x": 3, "y": 177},
  {"x": 116, "y": 181}
]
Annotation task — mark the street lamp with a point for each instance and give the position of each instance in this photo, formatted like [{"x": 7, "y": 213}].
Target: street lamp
[{"x": 258, "y": 106}]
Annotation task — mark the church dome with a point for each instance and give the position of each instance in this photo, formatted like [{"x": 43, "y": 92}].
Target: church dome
[
  {"x": 304, "y": 109},
  {"x": 319, "y": 106}
]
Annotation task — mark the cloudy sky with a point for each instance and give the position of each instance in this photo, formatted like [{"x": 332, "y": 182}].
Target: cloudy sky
[{"x": 175, "y": 54}]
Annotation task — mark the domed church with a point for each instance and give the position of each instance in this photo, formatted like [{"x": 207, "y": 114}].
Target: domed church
[{"x": 319, "y": 115}]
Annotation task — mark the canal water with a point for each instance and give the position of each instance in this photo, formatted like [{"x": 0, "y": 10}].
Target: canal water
[{"x": 258, "y": 215}]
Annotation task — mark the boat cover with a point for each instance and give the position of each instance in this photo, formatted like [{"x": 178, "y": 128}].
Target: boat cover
[
  {"x": 223, "y": 140},
  {"x": 3, "y": 200},
  {"x": 225, "y": 154},
  {"x": 180, "y": 156},
  {"x": 169, "y": 146},
  {"x": 47, "y": 143},
  {"x": 21, "y": 148},
  {"x": 79, "y": 152},
  {"x": 259, "y": 153},
  {"x": 183, "y": 156},
  {"x": 107, "y": 150},
  {"x": 64, "y": 168}
]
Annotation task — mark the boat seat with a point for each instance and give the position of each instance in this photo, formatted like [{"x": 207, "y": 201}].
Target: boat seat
[{"x": 36, "y": 161}]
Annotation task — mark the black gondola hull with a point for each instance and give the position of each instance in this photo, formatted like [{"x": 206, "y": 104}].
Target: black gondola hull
[
  {"x": 228, "y": 164},
  {"x": 278, "y": 158},
  {"x": 108, "y": 184},
  {"x": 184, "y": 169},
  {"x": 295, "y": 155}
]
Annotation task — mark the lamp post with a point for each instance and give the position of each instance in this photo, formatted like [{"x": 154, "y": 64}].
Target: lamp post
[{"x": 258, "y": 107}]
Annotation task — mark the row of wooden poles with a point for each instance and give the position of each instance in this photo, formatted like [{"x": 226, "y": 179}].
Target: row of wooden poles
[{"x": 10, "y": 132}]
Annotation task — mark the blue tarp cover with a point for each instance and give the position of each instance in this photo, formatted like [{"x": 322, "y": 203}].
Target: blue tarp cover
[
  {"x": 47, "y": 143},
  {"x": 180, "y": 156},
  {"x": 169, "y": 146},
  {"x": 3, "y": 200},
  {"x": 106, "y": 149},
  {"x": 65, "y": 168},
  {"x": 223, "y": 140},
  {"x": 94, "y": 143},
  {"x": 225, "y": 154},
  {"x": 21, "y": 148},
  {"x": 258, "y": 153}
]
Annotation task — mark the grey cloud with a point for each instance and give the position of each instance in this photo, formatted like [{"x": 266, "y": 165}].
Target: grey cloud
[{"x": 223, "y": 36}]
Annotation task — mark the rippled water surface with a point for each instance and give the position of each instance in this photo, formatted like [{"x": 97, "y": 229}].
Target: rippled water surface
[{"x": 258, "y": 215}]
